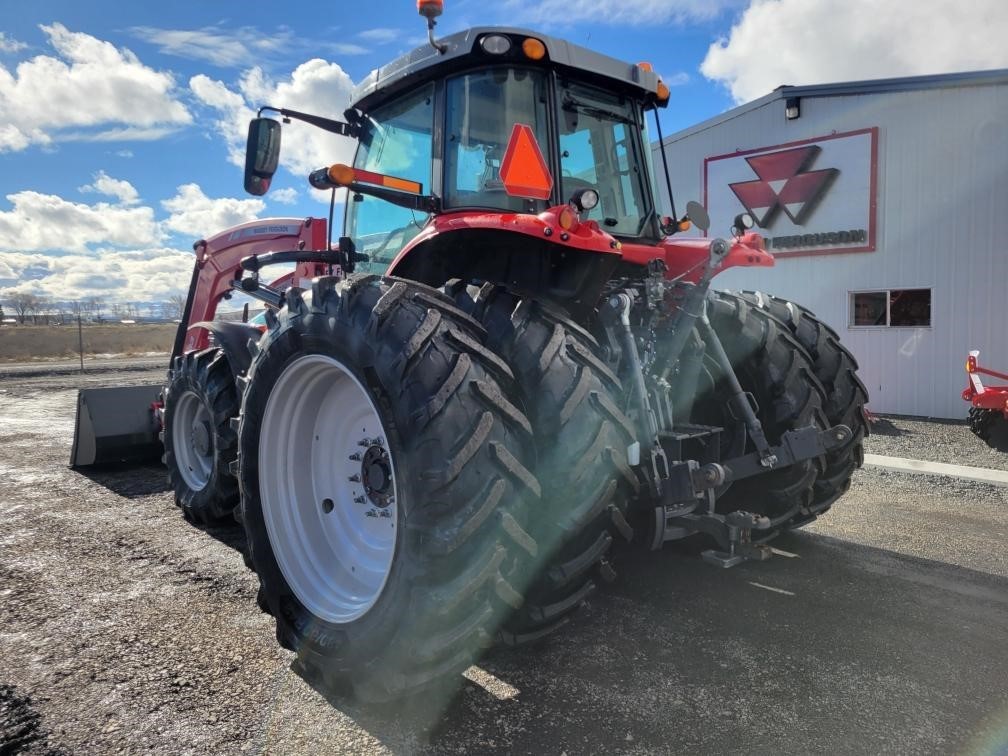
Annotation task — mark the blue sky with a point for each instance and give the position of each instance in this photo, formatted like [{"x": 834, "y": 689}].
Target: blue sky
[{"x": 121, "y": 124}]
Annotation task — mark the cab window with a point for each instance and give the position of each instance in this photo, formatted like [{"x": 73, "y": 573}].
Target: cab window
[
  {"x": 482, "y": 110},
  {"x": 396, "y": 140}
]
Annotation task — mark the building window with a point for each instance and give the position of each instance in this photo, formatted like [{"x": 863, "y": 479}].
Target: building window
[{"x": 893, "y": 308}]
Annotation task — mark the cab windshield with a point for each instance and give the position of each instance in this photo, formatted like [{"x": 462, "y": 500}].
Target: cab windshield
[{"x": 599, "y": 150}]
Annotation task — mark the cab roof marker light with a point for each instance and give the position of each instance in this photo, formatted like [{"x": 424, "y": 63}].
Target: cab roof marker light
[
  {"x": 662, "y": 91},
  {"x": 533, "y": 48}
]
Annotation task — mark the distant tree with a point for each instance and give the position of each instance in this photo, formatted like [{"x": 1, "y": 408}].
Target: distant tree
[
  {"x": 60, "y": 312},
  {"x": 176, "y": 306},
  {"x": 39, "y": 309},
  {"x": 1, "y": 315},
  {"x": 24, "y": 304},
  {"x": 95, "y": 308}
]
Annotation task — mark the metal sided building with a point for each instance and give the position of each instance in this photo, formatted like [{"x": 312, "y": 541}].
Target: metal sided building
[{"x": 885, "y": 203}]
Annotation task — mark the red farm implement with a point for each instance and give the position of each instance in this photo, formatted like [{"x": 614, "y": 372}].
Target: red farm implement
[{"x": 989, "y": 403}]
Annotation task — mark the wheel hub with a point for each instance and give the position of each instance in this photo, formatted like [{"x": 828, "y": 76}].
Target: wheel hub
[
  {"x": 201, "y": 438},
  {"x": 376, "y": 475}
]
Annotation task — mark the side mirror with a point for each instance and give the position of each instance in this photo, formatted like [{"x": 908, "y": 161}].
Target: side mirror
[
  {"x": 262, "y": 152},
  {"x": 698, "y": 215}
]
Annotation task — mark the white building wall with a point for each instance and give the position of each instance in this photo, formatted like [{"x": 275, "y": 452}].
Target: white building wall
[{"x": 942, "y": 213}]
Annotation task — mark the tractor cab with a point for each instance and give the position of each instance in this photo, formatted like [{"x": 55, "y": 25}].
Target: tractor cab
[{"x": 493, "y": 122}]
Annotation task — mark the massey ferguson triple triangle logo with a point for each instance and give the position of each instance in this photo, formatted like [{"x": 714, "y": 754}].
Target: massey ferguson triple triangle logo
[{"x": 785, "y": 183}]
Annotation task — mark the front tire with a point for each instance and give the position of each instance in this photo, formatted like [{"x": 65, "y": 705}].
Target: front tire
[
  {"x": 199, "y": 402},
  {"x": 438, "y": 530}
]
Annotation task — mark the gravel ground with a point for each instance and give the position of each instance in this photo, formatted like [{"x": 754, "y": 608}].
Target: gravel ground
[
  {"x": 125, "y": 629},
  {"x": 934, "y": 441}
]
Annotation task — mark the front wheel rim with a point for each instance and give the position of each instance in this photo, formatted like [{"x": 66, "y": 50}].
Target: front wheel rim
[
  {"x": 192, "y": 440},
  {"x": 328, "y": 488}
]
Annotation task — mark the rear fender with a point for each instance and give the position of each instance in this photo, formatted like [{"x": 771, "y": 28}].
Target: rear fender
[
  {"x": 233, "y": 339},
  {"x": 528, "y": 253}
]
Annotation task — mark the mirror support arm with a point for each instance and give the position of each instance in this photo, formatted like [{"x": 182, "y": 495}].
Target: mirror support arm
[{"x": 328, "y": 124}]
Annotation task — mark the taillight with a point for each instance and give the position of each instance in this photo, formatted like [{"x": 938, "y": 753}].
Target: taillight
[{"x": 567, "y": 218}]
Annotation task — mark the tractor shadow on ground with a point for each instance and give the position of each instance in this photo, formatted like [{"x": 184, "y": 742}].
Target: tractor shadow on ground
[
  {"x": 131, "y": 481},
  {"x": 676, "y": 655},
  {"x": 231, "y": 534},
  {"x": 882, "y": 426}
]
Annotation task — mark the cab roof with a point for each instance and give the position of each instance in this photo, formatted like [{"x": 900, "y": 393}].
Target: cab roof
[{"x": 462, "y": 51}]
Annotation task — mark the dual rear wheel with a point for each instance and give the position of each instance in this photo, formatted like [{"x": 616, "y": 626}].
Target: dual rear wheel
[{"x": 387, "y": 486}]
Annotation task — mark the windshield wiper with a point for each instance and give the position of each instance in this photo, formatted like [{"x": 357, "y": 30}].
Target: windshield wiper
[{"x": 571, "y": 103}]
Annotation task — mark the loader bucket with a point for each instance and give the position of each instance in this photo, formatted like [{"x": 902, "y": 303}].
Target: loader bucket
[{"x": 116, "y": 425}]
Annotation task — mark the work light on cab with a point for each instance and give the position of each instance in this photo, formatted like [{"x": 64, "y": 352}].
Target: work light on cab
[
  {"x": 496, "y": 44},
  {"x": 585, "y": 199}
]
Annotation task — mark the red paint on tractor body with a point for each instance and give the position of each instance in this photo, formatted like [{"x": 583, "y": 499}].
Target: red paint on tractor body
[{"x": 683, "y": 257}]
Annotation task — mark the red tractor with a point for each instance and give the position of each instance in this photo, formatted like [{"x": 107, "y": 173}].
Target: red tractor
[
  {"x": 989, "y": 408},
  {"x": 506, "y": 365}
]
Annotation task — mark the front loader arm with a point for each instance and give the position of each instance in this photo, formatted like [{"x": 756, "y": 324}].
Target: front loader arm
[{"x": 218, "y": 263}]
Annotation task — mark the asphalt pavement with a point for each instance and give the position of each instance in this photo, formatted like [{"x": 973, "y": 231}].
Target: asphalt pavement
[{"x": 882, "y": 627}]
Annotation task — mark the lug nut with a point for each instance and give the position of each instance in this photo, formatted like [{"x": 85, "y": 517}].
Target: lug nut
[
  {"x": 365, "y": 442},
  {"x": 359, "y": 499},
  {"x": 355, "y": 457},
  {"x": 355, "y": 478}
]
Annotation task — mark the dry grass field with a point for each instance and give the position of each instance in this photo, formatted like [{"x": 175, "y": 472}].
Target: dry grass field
[{"x": 27, "y": 342}]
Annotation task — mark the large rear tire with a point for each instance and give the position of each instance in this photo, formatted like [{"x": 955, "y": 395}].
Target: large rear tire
[
  {"x": 582, "y": 439},
  {"x": 379, "y": 436},
  {"x": 846, "y": 395},
  {"x": 199, "y": 445},
  {"x": 772, "y": 366}
]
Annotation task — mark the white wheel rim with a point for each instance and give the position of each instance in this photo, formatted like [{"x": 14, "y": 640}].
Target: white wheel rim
[
  {"x": 192, "y": 440},
  {"x": 333, "y": 543}
]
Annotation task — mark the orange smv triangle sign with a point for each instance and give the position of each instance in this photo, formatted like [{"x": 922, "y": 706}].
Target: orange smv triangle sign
[{"x": 523, "y": 169}]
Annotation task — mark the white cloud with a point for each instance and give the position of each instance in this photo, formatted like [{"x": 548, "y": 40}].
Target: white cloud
[
  {"x": 316, "y": 86},
  {"x": 222, "y": 47},
  {"x": 622, "y": 13},
  {"x": 92, "y": 83},
  {"x": 39, "y": 222},
  {"x": 122, "y": 190},
  {"x": 143, "y": 275},
  {"x": 286, "y": 196},
  {"x": 815, "y": 41},
  {"x": 196, "y": 215},
  {"x": 126, "y": 134},
  {"x": 10, "y": 45},
  {"x": 348, "y": 48},
  {"x": 678, "y": 79},
  {"x": 380, "y": 36}
]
